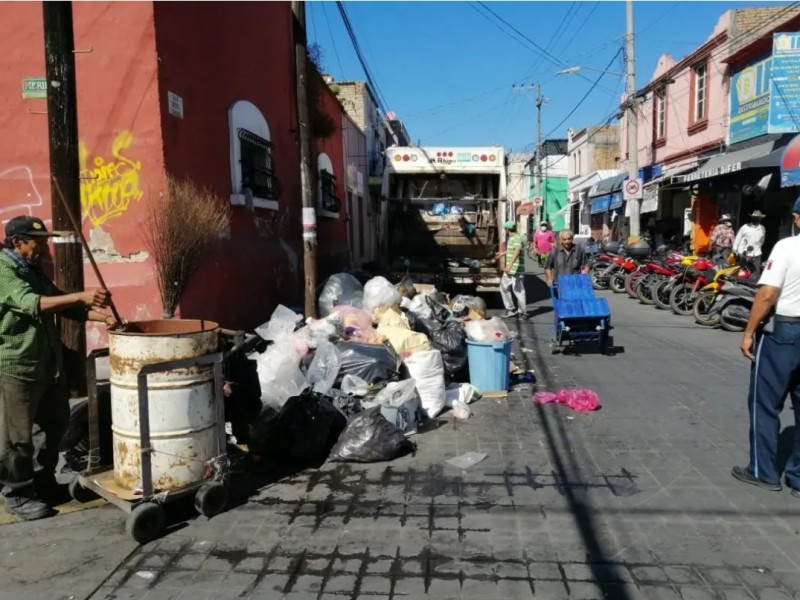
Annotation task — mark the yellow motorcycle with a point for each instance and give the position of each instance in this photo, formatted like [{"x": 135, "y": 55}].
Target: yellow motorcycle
[{"x": 707, "y": 294}]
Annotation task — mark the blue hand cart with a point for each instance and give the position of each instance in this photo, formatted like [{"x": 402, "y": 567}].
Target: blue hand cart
[{"x": 579, "y": 316}]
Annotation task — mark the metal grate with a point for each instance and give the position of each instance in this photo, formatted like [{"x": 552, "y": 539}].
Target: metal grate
[{"x": 257, "y": 164}]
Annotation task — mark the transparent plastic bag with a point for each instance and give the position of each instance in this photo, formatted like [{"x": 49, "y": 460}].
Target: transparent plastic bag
[
  {"x": 340, "y": 289},
  {"x": 418, "y": 305},
  {"x": 462, "y": 304},
  {"x": 358, "y": 325},
  {"x": 279, "y": 373},
  {"x": 281, "y": 324},
  {"x": 461, "y": 411},
  {"x": 379, "y": 294},
  {"x": 353, "y": 385},
  {"x": 486, "y": 331},
  {"x": 324, "y": 368},
  {"x": 466, "y": 460},
  {"x": 397, "y": 392}
]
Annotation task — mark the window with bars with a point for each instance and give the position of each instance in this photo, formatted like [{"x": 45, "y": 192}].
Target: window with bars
[
  {"x": 258, "y": 174},
  {"x": 700, "y": 74},
  {"x": 328, "y": 201},
  {"x": 661, "y": 114}
]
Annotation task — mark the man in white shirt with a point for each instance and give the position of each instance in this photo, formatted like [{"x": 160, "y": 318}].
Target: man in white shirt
[
  {"x": 749, "y": 241},
  {"x": 775, "y": 373}
]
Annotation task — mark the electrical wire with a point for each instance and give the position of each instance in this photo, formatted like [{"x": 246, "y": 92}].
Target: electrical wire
[
  {"x": 333, "y": 41},
  {"x": 580, "y": 27}
]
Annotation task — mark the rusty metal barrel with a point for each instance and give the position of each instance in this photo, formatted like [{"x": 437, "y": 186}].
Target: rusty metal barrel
[{"x": 181, "y": 403}]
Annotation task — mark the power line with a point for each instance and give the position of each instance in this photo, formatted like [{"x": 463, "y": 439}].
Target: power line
[
  {"x": 557, "y": 30},
  {"x": 581, "y": 26},
  {"x": 382, "y": 103},
  {"x": 333, "y": 42}
]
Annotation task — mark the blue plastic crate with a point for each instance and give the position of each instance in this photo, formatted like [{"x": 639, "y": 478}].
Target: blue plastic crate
[
  {"x": 575, "y": 287},
  {"x": 596, "y": 308}
]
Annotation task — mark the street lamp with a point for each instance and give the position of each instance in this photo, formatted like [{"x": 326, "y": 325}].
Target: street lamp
[{"x": 579, "y": 68}]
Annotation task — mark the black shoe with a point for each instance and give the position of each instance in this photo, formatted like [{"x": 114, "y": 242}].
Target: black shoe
[
  {"x": 744, "y": 475},
  {"x": 27, "y": 508}
]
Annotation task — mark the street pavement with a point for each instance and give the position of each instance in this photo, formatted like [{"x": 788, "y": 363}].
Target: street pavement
[{"x": 632, "y": 501}]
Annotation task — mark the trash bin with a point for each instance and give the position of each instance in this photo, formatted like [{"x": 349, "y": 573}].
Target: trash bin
[{"x": 489, "y": 365}]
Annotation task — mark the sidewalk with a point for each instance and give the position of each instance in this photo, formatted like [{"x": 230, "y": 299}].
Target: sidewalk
[{"x": 633, "y": 501}]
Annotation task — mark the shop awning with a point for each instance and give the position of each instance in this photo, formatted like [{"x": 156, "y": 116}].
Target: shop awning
[
  {"x": 582, "y": 185},
  {"x": 764, "y": 155},
  {"x": 608, "y": 185}
]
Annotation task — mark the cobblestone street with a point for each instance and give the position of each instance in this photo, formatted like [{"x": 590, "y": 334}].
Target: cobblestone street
[{"x": 632, "y": 501}]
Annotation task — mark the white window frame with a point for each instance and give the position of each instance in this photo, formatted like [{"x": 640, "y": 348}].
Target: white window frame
[
  {"x": 243, "y": 114},
  {"x": 324, "y": 163},
  {"x": 661, "y": 114},
  {"x": 700, "y": 104}
]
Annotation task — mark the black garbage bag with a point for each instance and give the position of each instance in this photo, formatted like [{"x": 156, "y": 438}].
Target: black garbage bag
[
  {"x": 370, "y": 362},
  {"x": 438, "y": 304},
  {"x": 242, "y": 394},
  {"x": 450, "y": 338},
  {"x": 412, "y": 318},
  {"x": 303, "y": 431},
  {"x": 369, "y": 437},
  {"x": 346, "y": 404}
]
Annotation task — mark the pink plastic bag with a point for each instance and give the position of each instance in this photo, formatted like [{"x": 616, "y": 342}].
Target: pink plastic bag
[{"x": 581, "y": 400}]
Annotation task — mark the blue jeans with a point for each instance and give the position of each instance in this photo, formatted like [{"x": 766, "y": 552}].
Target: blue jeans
[{"x": 774, "y": 375}]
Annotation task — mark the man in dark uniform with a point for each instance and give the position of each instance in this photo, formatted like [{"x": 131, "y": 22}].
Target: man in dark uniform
[{"x": 774, "y": 349}]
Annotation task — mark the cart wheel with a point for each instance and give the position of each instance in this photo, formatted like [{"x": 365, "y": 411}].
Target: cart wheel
[
  {"x": 211, "y": 499},
  {"x": 146, "y": 522},
  {"x": 555, "y": 348},
  {"x": 79, "y": 493}
]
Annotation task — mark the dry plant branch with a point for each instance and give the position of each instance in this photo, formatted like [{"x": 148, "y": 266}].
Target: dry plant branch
[{"x": 180, "y": 228}]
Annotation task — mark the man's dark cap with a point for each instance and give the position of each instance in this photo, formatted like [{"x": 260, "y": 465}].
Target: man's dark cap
[{"x": 29, "y": 226}]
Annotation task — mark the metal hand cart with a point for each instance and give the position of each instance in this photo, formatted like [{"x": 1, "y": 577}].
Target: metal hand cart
[
  {"x": 145, "y": 504},
  {"x": 579, "y": 316}
]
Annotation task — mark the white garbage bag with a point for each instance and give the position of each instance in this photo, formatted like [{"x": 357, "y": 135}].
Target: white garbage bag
[
  {"x": 427, "y": 371},
  {"x": 281, "y": 324},
  {"x": 379, "y": 294}
]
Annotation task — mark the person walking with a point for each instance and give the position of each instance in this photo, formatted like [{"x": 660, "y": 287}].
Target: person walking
[
  {"x": 722, "y": 236},
  {"x": 771, "y": 340},
  {"x": 513, "y": 277},
  {"x": 543, "y": 241},
  {"x": 749, "y": 241},
  {"x": 566, "y": 259},
  {"x": 32, "y": 383}
]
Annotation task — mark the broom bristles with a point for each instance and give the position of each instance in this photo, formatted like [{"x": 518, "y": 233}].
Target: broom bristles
[{"x": 180, "y": 228}]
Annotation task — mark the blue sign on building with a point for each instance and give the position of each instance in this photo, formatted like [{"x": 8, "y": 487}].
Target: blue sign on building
[
  {"x": 600, "y": 204},
  {"x": 784, "y": 90},
  {"x": 749, "y": 100},
  {"x": 616, "y": 200}
]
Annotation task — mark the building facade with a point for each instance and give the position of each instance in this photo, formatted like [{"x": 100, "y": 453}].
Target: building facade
[
  {"x": 592, "y": 155},
  {"x": 148, "y": 108}
]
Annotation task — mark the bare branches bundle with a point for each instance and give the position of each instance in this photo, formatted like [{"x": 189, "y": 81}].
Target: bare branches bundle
[{"x": 180, "y": 228}]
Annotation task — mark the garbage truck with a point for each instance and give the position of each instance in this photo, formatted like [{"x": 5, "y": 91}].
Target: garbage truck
[{"x": 442, "y": 215}]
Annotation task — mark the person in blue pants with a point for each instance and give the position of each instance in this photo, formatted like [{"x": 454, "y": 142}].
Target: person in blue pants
[{"x": 771, "y": 341}]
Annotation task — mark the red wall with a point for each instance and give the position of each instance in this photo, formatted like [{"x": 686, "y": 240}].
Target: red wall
[
  {"x": 119, "y": 131},
  {"x": 333, "y": 255},
  {"x": 213, "y": 55}
]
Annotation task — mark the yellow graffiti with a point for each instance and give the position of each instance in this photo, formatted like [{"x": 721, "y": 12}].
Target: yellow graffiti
[{"x": 109, "y": 187}]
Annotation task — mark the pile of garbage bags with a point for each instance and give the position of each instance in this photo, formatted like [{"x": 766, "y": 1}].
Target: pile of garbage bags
[{"x": 355, "y": 383}]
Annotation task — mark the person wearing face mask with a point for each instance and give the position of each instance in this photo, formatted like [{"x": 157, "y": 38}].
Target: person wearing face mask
[
  {"x": 32, "y": 383},
  {"x": 543, "y": 241},
  {"x": 567, "y": 259},
  {"x": 771, "y": 341},
  {"x": 749, "y": 241}
]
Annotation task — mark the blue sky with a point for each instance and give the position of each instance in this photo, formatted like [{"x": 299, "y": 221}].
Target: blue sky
[{"x": 447, "y": 71}]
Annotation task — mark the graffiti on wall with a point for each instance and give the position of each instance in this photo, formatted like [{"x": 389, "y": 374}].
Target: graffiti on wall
[{"x": 109, "y": 185}]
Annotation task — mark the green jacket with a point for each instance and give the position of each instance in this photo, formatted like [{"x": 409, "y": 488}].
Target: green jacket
[{"x": 30, "y": 345}]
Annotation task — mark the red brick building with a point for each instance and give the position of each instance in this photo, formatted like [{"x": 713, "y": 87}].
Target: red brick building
[{"x": 204, "y": 90}]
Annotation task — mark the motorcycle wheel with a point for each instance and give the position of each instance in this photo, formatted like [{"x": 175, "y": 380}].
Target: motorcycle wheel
[
  {"x": 729, "y": 323},
  {"x": 679, "y": 299},
  {"x": 644, "y": 293},
  {"x": 598, "y": 282},
  {"x": 660, "y": 292},
  {"x": 630, "y": 283},
  {"x": 702, "y": 304},
  {"x": 617, "y": 283}
]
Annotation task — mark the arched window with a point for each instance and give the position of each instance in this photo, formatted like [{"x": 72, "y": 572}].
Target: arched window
[
  {"x": 328, "y": 201},
  {"x": 253, "y": 177}
]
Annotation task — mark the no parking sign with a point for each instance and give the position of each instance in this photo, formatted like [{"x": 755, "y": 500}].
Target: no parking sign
[{"x": 632, "y": 190}]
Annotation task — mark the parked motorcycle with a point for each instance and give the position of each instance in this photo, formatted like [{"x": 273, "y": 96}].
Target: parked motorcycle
[
  {"x": 734, "y": 303},
  {"x": 681, "y": 299}
]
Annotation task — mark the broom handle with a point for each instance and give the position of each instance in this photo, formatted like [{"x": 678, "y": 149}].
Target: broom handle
[{"x": 79, "y": 232}]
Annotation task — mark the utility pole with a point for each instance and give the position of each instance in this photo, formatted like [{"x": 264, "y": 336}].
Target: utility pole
[
  {"x": 306, "y": 187},
  {"x": 633, "y": 144},
  {"x": 537, "y": 179},
  {"x": 62, "y": 124}
]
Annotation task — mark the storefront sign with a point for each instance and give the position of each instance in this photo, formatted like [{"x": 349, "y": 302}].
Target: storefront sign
[
  {"x": 790, "y": 163},
  {"x": 749, "y": 101},
  {"x": 616, "y": 200},
  {"x": 707, "y": 173},
  {"x": 784, "y": 90},
  {"x": 601, "y": 203}
]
